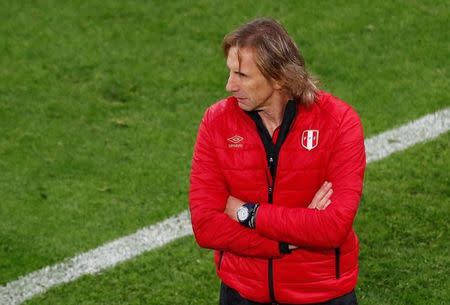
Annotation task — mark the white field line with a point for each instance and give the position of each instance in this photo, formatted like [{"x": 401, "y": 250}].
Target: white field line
[
  {"x": 96, "y": 260},
  {"x": 157, "y": 235},
  {"x": 424, "y": 129}
]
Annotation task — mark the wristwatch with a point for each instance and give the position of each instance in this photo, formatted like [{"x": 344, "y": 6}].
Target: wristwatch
[{"x": 246, "y": 214}]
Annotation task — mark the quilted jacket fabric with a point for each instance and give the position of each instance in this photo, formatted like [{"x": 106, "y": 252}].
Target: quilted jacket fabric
[{"x": 324, "y": 143}]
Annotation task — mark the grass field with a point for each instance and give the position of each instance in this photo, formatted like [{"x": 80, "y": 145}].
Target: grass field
[{"x": 99, "y": 107}]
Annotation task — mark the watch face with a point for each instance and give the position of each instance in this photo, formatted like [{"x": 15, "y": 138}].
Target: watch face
[{"x": 242, "y": 213}]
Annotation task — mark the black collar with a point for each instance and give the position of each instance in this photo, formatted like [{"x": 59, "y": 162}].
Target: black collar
[{"x": 272, "y": 150}]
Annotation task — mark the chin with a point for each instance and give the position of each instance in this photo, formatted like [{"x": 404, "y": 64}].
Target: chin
[{"x": 245, "y": 107}]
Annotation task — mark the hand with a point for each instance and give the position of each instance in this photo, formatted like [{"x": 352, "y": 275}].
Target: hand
[
  {"x": 321, "y": 199},
  {"x": 233, "y": 204}
]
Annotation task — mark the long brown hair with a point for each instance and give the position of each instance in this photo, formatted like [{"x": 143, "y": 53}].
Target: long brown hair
[{"x": 276, "y": 56}]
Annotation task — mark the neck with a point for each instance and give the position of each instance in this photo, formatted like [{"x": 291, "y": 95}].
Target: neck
[{"x": 272, "y": 116}]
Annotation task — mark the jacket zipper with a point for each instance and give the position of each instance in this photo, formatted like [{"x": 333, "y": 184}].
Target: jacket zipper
[
  {"x": 270, "y": 200},
  {"x": 272, "y": 152},
  {"x": 271, "y": 181}
]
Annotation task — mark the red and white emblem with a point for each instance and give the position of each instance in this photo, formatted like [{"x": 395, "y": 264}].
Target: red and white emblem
[{"x": 310, "y": 139}]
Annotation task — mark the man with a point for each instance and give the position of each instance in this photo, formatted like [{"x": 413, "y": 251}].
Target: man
[{"x": 277, "y": 177}]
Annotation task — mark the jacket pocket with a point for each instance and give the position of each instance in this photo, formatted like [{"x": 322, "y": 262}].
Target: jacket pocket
[{"x": 337, "y": 254}]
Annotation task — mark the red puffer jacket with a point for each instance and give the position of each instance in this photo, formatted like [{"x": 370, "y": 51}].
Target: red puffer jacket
[{"x": 324, "y": 143}]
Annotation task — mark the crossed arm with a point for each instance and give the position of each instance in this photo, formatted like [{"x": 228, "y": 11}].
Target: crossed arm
[
  {"x": 324, "y": 224},
  {"x": 320, "y": 201}
]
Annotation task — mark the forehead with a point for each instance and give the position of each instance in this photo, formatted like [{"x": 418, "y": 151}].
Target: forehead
[{"x": 241, "y": 59}]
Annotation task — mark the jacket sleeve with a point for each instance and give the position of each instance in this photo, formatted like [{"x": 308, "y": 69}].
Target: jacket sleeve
[
  {"x": 207, "y": 201},
  {"x": 325, "y": 228}
]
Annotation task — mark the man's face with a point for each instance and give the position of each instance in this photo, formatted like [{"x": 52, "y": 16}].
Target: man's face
[{"x": 252, "y": 90}]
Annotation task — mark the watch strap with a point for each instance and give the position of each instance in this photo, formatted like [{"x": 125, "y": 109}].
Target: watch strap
[{"x": 250, "y": 222}]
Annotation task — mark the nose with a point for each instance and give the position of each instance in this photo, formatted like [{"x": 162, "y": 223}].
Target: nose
[{"x": 232, "y": 85}]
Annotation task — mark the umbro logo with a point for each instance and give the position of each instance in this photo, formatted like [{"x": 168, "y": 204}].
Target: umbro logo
[{"x": 235, "y": 141}]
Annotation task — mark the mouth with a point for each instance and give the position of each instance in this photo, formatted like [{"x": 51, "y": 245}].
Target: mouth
[{"x": 243, "y": 103}]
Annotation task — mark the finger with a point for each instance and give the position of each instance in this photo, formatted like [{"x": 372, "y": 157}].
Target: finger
[
  {"x": 326, "y": 186},
  {"x": 329, "y": 193},
  {"x": 323, "y": 188},
  {"x": 321, "y": 196},
  {"x": 327, "y": 204},
  {"x": 322, "y": 204}
]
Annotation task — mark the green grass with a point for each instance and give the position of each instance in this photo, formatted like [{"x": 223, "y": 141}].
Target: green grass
[
  {"x": 402, "y": 225},
  {"x": 100, "y": 102},
  {"x": 180, "y": 273}
]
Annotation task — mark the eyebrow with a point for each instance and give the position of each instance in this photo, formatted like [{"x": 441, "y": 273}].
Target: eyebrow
[{"x": 239, "y": 71}]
